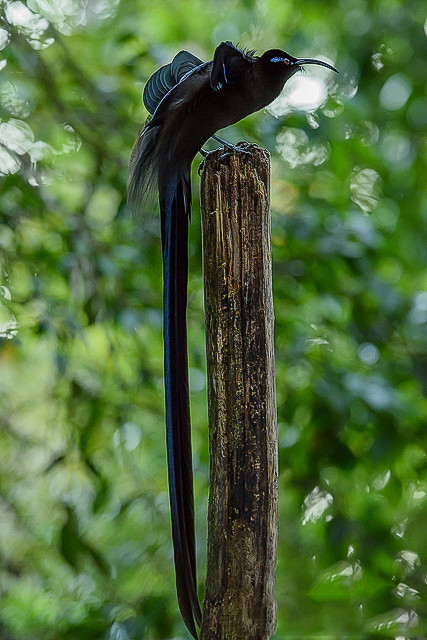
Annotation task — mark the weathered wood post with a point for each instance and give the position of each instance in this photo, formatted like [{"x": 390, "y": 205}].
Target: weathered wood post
[{"x": 242, "y": 521}]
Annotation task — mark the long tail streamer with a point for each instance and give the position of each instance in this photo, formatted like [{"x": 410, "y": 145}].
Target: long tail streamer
[{"x": 175, "y": 212}]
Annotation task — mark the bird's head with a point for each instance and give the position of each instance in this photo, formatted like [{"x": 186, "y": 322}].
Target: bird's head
[{"x": 282, "y": 64}]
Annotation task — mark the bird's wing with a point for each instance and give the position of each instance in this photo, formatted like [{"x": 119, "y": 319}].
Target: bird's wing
[
  {"x": 158, "y": 136},
  {"x": 228, "y": 63},
  {"x": 165, "y": 78}
]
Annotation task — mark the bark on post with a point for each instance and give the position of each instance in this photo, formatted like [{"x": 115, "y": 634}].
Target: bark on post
[{"x": 242, "y": 521}]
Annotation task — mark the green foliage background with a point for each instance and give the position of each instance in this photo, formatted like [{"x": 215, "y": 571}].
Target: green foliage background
[{"x": 85, "y": 548}]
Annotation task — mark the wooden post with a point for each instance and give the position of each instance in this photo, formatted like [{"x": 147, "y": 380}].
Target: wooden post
[{"x": 242, "y": 520}]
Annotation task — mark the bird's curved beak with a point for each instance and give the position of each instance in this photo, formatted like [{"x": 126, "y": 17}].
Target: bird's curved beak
[{"x": 301, "y": 61}]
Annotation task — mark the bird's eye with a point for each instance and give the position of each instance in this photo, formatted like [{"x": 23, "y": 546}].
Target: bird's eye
[
  {"x": 285, "y": 60},
  {"x": 276, "y": 59}
]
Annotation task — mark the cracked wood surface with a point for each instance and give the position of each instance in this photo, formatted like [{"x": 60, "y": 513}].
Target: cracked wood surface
[{"x": 242, "y": 519}]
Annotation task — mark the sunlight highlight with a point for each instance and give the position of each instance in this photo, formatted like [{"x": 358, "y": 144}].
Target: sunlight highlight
[{"x": 304, "y": 93}]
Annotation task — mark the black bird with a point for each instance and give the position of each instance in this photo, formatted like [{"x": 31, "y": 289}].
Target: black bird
[{"x": 189, "y": 101}]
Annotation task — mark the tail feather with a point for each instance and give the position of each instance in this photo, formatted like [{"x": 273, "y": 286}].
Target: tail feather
[
  {"x": 151, "y": 165},
  {"x": 174, "y": 206},
  {"x": 143, "y": 170}
]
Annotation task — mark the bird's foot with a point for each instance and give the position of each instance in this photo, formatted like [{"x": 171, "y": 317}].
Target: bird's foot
[
  {"x": 231, "y": 148},
  {"x": 228, "y": 149},
  {"x": 201, "y": 166}
]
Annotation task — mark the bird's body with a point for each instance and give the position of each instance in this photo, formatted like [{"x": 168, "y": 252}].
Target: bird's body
[
  {"x": 190, "y": 100},
  {"x": 212, "y": 96}
]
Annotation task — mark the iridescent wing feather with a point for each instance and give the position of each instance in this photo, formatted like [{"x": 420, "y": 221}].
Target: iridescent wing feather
[{"x": 165, "y": 78}]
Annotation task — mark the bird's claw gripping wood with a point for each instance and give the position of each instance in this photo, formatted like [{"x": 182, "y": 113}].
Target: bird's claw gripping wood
[
  {"x": 228, "y": 149},
  {"x": 200, "y": 168},
  {"x": 201, "y": 165},
  {"x": 189, "y": 101},
  {"x": 239, "y": 148}
]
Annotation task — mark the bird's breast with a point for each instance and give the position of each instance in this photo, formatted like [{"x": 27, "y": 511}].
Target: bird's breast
[{"x": 214, "y": 110}]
